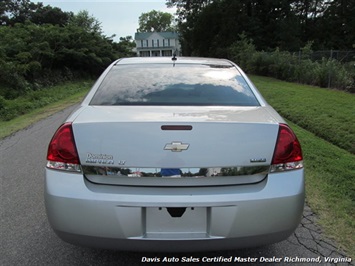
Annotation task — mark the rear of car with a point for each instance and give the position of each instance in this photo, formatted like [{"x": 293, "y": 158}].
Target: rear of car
[{"x": 180, "y": 155}]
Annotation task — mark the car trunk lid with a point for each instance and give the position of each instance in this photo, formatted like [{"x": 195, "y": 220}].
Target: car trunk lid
[{"x": 175, "y": 145}]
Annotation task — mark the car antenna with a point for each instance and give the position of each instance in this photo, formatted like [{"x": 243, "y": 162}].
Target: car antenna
[{"x": 174, "y": 59}]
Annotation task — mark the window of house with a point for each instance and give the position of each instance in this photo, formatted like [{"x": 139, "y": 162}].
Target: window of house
[
  {"x": 166, "y": 42},
  {"x": 155, "y": 43},
  {"x": 144, "y": 43}
]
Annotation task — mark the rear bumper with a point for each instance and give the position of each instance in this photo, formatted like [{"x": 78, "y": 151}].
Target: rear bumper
[{"x": 137, "y": 218}]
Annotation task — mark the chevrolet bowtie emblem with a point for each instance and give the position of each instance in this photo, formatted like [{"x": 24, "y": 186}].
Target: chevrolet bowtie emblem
[{"x": 176, "y": 146}]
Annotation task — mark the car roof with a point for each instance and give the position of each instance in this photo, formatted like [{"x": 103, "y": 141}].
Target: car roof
[{"x": 179, "y": 60}]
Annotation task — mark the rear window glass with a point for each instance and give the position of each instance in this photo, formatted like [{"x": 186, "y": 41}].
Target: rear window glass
[{"x": 163, "y": 84}]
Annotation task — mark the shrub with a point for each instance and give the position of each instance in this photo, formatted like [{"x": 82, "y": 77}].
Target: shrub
[
  {"x": 261, "y": 62},
  {"x": 282, "y": 66},
  {"x": 30, "y": 100},
  {"x": 330, "y": 73},
  {"x": 242, "y": 53},
  {"x": 305, "y": 71},
  {"x": 293, "y": 67}
]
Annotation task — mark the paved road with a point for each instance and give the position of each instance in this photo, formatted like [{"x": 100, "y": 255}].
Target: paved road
[{"x": 27, "y": 239}]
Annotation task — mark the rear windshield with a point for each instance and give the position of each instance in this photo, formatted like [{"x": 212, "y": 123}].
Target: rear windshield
[{"x": 163, "y": 84}]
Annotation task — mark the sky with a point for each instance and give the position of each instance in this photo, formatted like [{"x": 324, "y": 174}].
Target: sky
[{"x": 116, "y": 16}]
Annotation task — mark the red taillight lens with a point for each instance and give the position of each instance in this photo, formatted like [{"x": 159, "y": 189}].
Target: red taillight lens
[
  {"x": 62, "y": 151},
  {"x": 288, "y": 152}
]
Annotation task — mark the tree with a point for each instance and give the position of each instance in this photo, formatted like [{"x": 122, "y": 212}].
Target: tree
[
  {"x": 337, "y": 25},
  {"x": 51, "y": 15},
  {"x": 16, "y": 11},
  {"x": 208, "y": 28},
  {"x": 187, "y": 9},
  {"x": 19, "y": 11},
  {"x": 88, "y": 23},
  {"x": 32, "y": 54},
  {"x": 155, "y": 21},
  {"x": 125, "y": 46}
]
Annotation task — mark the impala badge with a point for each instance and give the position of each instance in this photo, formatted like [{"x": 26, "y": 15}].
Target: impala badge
[
  {"x": 176, "y": 146},
  {"x": 99, "y": 158}
]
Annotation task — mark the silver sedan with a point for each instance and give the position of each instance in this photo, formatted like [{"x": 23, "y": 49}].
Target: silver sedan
[{"x": 174, "y": 155}]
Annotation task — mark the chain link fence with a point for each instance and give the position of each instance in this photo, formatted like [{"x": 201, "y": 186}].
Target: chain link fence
[
  {"x": 345, "y": 57},
  {"x": 339, "y": 55}
]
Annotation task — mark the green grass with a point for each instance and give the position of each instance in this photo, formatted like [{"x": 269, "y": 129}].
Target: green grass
[
  {"x": 32, "y": 100},
  {"x": 322, "y": 116},
  {"x": 330, "y": 187},
  {"x": 64, "y": 96},
  {"x": 329, "y": 114}
]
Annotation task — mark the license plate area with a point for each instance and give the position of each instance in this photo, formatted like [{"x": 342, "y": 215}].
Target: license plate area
[{"x": 160, "y": 224}]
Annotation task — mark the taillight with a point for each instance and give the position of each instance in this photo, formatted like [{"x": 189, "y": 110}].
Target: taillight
[
  {"x": 288, "y": 152},
  {"x": 62, "y": 153}
]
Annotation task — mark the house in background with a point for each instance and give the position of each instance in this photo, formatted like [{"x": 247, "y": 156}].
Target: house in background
[{"x": 150, "y": 44}]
